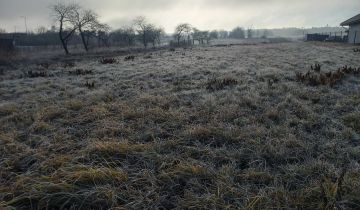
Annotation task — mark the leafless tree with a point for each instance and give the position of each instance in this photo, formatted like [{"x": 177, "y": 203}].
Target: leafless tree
[
  {"x": 266, "y": 33},
  {"x": 183, "y": 29},
  {"x": 155, "y": 34},
  {"x": 41, "y": 30},
  {"x": 2, "y": 31},
  {"x": 201, "y": 36},
  {"x": 125, "y": 35},
  {"x": 249, "y": 33},
  {"x": 237, "y": 33},
  {"x": 63, "y": 14},
  {"x": 214, "y": 34},
  {"x": 147, "y": 32},
  {"x": 102, "y": 34},
  {"x": 223, "y": 34},
  {"x": 143, "y": 28},
  {"x": 98, "y": 31},
  {"x": 84, "y": 20}
]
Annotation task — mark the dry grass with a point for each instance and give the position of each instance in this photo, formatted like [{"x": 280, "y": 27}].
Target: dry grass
[
  {"x": 219, "y": 84},
  {"x": 203, "y": 128}
]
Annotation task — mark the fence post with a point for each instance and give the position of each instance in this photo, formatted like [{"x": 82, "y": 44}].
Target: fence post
[
  {"x": 341, "y": 37},
  {"x": 355, "y": 37}
]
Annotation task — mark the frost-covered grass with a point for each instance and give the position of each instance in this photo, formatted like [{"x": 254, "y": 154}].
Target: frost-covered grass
[{"x": 151, "y": 134}]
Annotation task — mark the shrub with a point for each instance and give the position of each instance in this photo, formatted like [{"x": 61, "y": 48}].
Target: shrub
[
  {"x": 80, "y": 72},
  {"x": 130, "y": 57},
  {"x": 35, "y": 74},
  {"x": 353, "y": 121},
  {"x": 219, "y": 84},
  {"x": 44, "y": 65},
  {"x": 314, "y": 77},
  {"x": 90, "y": 85},
  {"x": 107, "y": 61},
  {"x": 69, "y": 64}
]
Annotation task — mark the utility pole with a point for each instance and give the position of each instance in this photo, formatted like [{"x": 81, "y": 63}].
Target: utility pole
[{"x": 26, "y": 29}]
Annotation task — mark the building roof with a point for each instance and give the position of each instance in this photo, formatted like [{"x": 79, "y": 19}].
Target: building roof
[{"x": 352, "y": 21}]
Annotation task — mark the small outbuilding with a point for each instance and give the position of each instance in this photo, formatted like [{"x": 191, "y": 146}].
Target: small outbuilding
[{"x": 354, "y": 29}]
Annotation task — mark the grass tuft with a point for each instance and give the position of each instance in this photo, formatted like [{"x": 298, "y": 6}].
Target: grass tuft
[{"x": 220, "y": 84}]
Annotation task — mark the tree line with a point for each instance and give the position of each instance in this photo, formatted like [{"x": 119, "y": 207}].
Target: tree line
[{"x": 75, "y": 24}]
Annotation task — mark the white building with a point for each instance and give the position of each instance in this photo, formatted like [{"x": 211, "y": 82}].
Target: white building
[{"x": 354, "y": 29}]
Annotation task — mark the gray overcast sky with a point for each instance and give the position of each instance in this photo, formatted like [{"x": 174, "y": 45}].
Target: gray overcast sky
[{"x": 203, "y": 14}]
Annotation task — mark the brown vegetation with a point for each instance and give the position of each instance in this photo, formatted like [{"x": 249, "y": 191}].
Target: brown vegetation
[
  {"x": 90, "y": 85},
  {"x": 315, "y": 77},
  {"x": 34, "y": 74},
  {"x": 108, "y": 61},
  {"x": 219, "y": 84},
  {"x": 80, "y": 72},
  {"x": 232, "y": 130},
  {"x": 129, "y": 58}
]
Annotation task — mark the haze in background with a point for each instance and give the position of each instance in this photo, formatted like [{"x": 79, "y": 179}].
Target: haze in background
[{"x": 204, "y": 14}]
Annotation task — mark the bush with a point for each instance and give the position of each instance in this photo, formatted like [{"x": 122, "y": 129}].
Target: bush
[
  {"x": 219, "y": 84},
  {"x": 315, "y": 77},
  {"x": 107, "y": 61}
]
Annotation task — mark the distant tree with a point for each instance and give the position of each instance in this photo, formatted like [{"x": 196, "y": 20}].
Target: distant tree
[
  {"x": 63, "y": 13},
  {"x": 84, "y": 20},
  {"x": 143, "y": 28},
  {"x": 125, "y": 35},
  {"x": 266, "y": 33},
  {"x": 181, "y": 31},
  {"x": 88, "y": 35},
  {"x": 201, "y": 36},
  {"x": 154, "y": 35},
  {"x": 250, "y": 33},
  {"x": 223, "y": 34},
  {"x": 53, "y": 29},
  {"x": 257, "y": 33},
  {"x": 237, "y": 33},
  {"x": 147, "y": 32},
  {"x": 2, "y": 31},
  {"x": 41, "y": 30},
  {"x": 196, "y": 35},
  {"x": 214, "y": 34},
  {"x": 102, "y": 33}
]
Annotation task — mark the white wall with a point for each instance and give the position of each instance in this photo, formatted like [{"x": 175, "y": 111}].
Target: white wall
[{"x": 353, "y": 29}]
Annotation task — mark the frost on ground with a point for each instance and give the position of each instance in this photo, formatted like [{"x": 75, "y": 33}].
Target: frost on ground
[{"x": 151, "y": 134}]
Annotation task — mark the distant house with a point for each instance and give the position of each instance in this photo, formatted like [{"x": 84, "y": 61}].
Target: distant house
[
  {"x": 7, "y": 45},
  {"x": 354, "y": 29}
]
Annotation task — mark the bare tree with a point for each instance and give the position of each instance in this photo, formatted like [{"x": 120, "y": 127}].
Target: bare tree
[
  {"x": 41, "y": 30},
  {"x": 2, "y": 31},
  {"x": 62, "y": 14},
  {"x": 201, "y": 36},
  {"x": 98, "y": 31},
  {"x": 142, "y": 27},
  {"x": 182, "y": 30},
  {"x": 155, "y": 35},
  {"x": 266, "y": 33},
  {"x": 237, "y": 33},
  {"x": 102, "y": 34},
  {"x": 124, "y": 36},
  {"x": 223, "y": 34},
  {"x": 249, "y": 33},
  {"x": 214, "y": 34},
  {"x": 84, "y": 20}
]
